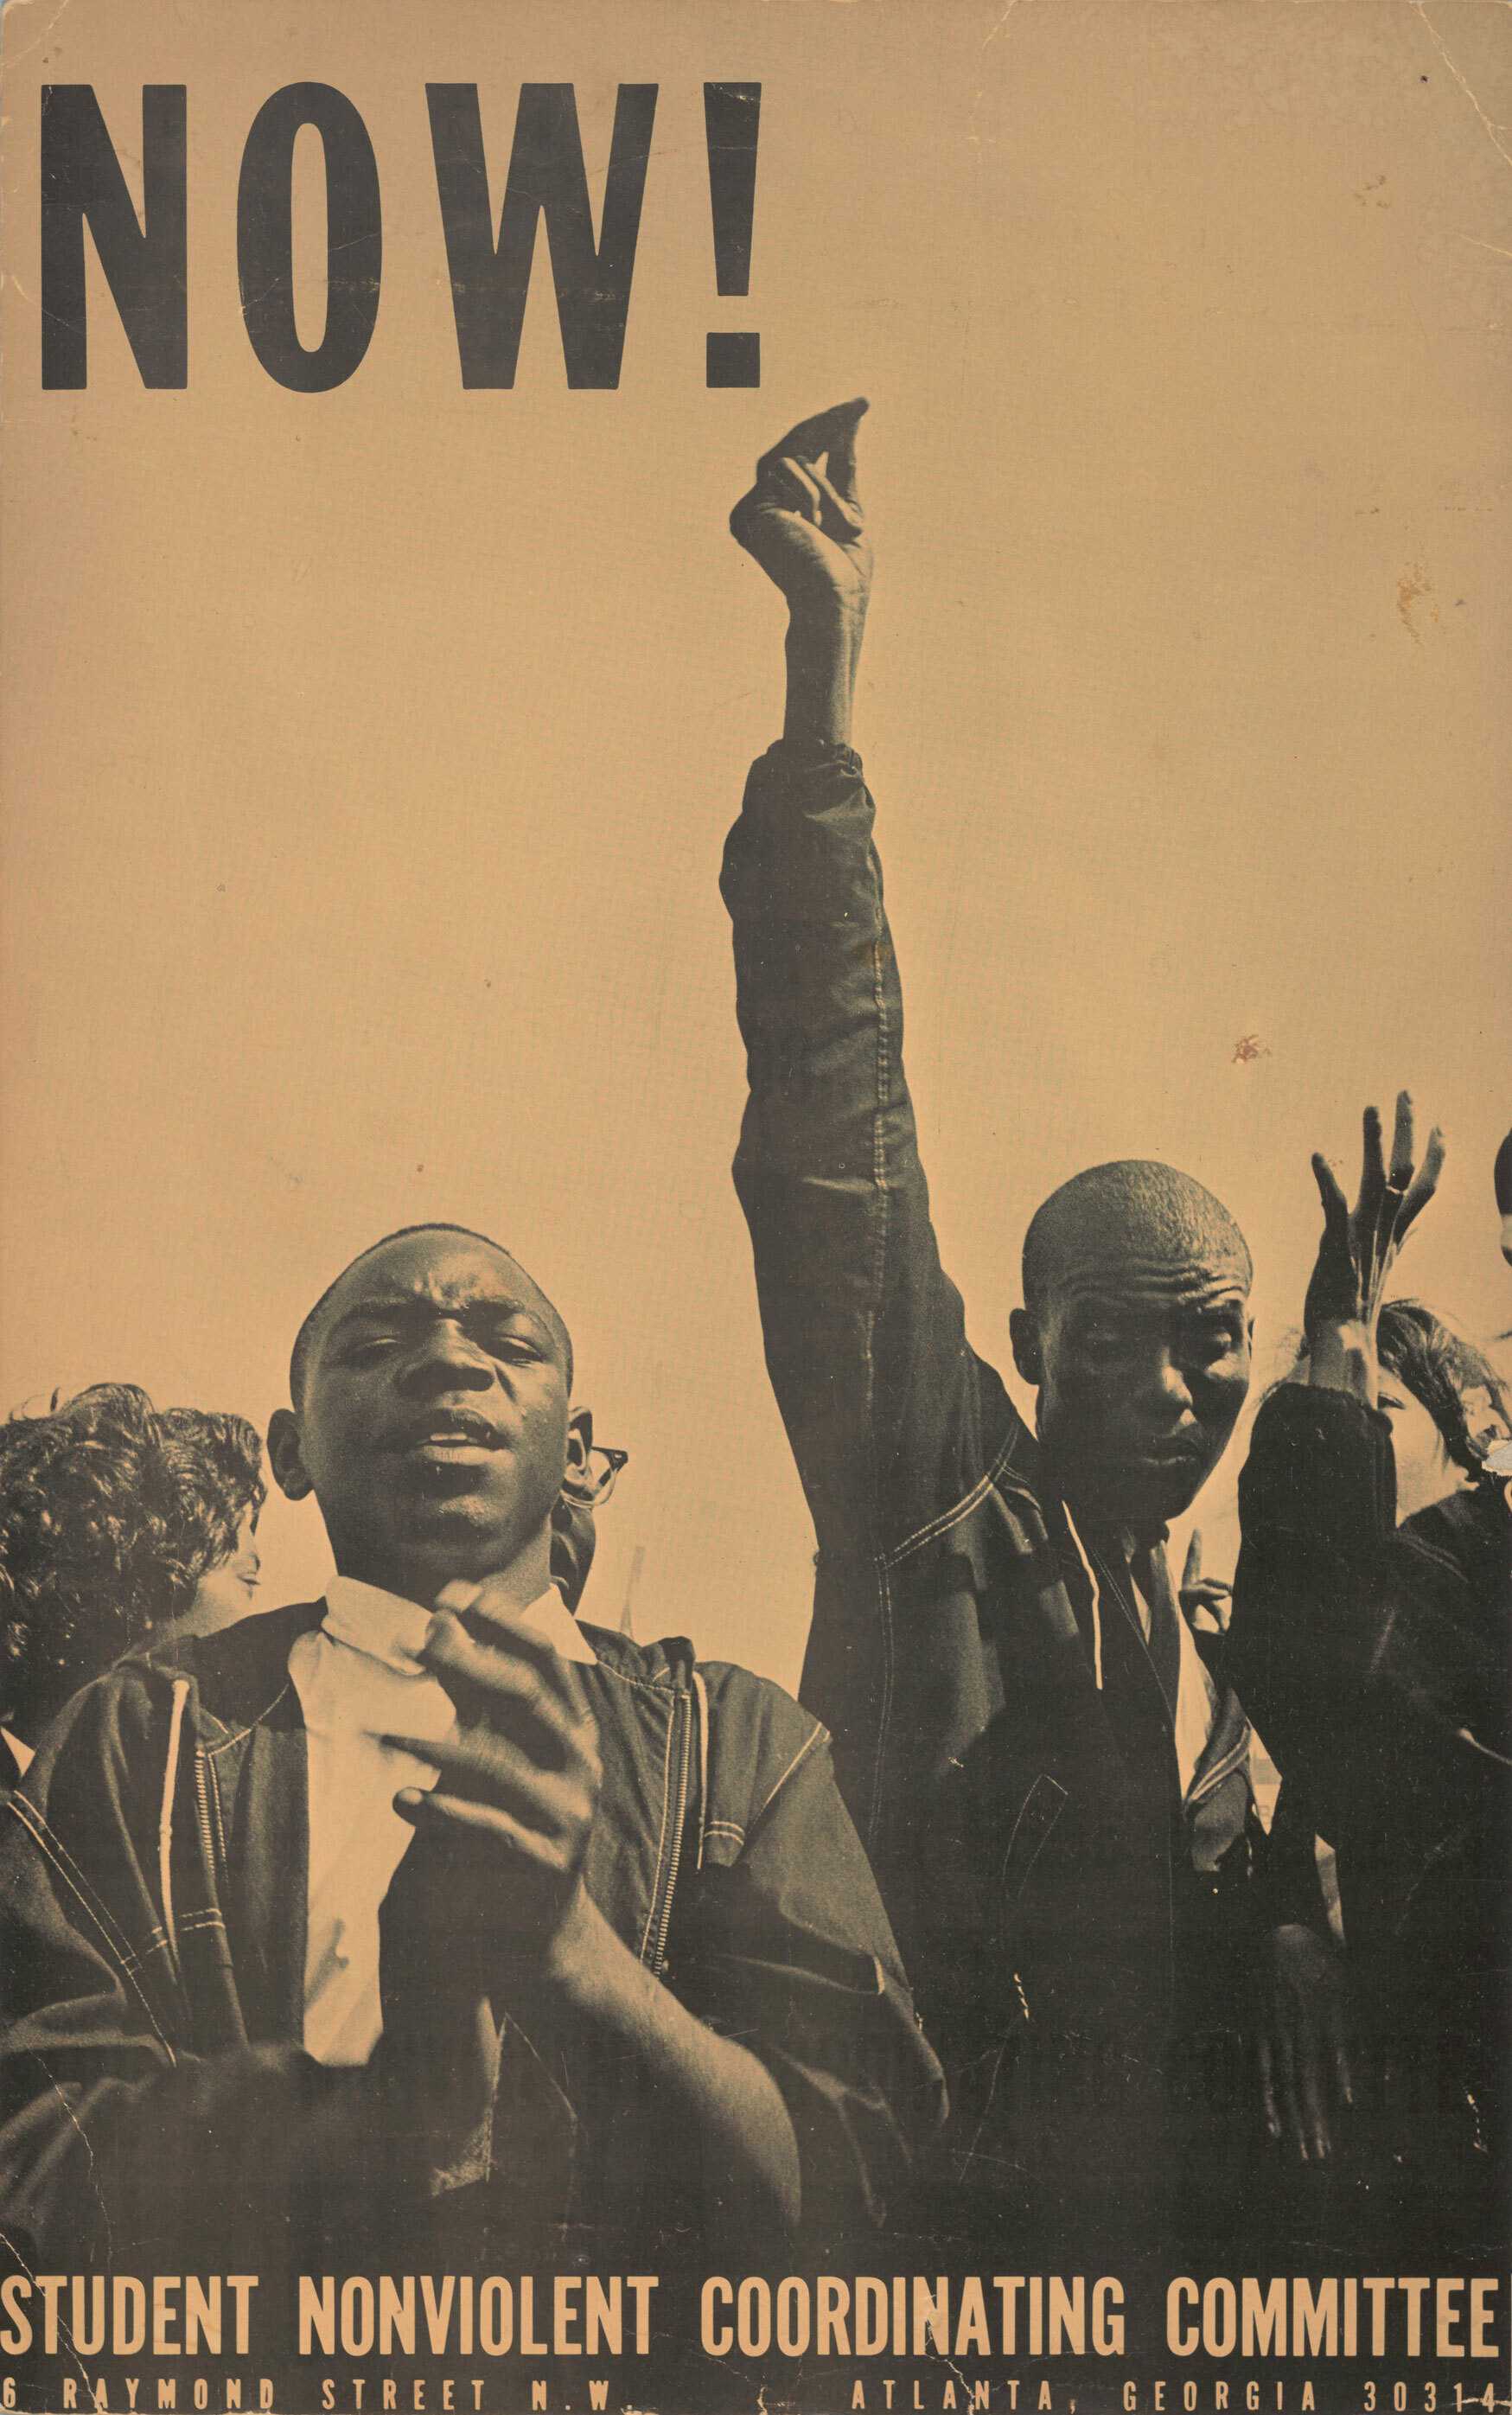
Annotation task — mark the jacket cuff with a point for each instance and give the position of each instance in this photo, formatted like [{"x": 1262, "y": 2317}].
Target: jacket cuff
[
  {"x": 797, "y": 755},
  {"x": 1313, "y": 1450},
  {"x": 1310, "y": 1416},
  {"x": 800, "y": 855}
]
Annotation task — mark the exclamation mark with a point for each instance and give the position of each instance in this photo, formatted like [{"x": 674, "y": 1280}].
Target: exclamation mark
[{"x": 732, "y": 121}]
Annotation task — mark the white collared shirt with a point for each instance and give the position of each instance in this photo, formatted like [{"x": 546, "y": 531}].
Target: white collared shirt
[
  {"x": 358, "y": 1678},
  {"x": 23, "y": 1754},
  {"x": 1196, "y": 1704},
  {"x": 1196, "y": 1710}
]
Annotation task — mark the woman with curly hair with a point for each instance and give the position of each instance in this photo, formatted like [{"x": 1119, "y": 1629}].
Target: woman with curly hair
[{"x": 118, "y": 1522}]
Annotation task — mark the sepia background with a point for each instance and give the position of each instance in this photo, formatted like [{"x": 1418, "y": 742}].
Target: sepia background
[{"x": 366, "y": 756}]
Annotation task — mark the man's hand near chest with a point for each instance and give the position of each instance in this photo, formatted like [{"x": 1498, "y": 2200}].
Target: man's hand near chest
[
  {"x": 487, "y": 1916},
  {"x": 487, "y": 1919}
]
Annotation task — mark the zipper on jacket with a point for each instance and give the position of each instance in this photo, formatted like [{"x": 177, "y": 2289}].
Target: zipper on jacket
[
  {"x": 204, "y": 1817},
  {"x": 658, "y": 1963}
]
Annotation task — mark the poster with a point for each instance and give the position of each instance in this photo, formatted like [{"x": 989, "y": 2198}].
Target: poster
[{"x": 380, "y": 677}]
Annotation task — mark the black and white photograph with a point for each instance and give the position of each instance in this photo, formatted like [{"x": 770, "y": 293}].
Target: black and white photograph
[{"x": 755, "y": 1208}]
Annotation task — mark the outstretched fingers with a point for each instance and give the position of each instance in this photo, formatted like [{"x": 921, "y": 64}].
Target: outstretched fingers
[
  {"x": 1401, "y": 1143},
  {"x": 1335, "y": 1205},
  {"x": 1424, "y": 1183},
  {"x": 1381, "y": 1195},
  {"x": 1373, "y": 1181},
  {"x": 1333, "y": 1292},
  {"x": 1405, "y": 1192},
  {"x": 1360, "y": 1245}
]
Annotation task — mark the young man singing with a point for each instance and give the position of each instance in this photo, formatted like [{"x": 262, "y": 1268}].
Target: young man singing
[{"x": 421, "y": 1922}]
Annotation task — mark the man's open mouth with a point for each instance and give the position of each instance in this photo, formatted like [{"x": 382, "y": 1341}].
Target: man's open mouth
[
  {"x": 458, "y": 1430},
  {"x": 1165, "y": 1454}
]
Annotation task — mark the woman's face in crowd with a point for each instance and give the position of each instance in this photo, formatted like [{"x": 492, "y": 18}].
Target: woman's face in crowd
[
  {"x": 226, "y": 1593},
  {"x": 1425, "y": 1471}
]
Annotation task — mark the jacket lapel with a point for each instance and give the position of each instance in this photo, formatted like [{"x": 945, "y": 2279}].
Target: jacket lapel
[{"x": 258, "y": 1775}]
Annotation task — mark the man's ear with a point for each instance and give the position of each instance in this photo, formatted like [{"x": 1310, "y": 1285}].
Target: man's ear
[
  {"x": 1028, "y": 1355},
  {"x": 284, "y": 1456},
  {"x": 582, "y": 1483}
]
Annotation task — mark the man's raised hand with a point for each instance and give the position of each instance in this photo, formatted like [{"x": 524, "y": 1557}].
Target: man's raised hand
[
  {"x": 803, "y": 521},
  {"x": 1360, "y": 1245}
]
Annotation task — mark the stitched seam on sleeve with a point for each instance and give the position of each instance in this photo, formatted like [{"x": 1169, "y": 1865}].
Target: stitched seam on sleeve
[
  {"x": 119, "y": 1953},
  {"x": 949, "y": 1518},
  {"x": 801, "y": 1754}
]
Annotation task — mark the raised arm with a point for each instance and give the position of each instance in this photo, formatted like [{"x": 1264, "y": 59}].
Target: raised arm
[
  {"x": 892, "y": 1419},
  {"x": 1320, "y": 1582},
  {"x": 864, "y": 1334}
]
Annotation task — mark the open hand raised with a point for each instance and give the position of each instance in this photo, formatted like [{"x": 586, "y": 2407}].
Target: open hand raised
[{"x": 1360, "y": 1244}]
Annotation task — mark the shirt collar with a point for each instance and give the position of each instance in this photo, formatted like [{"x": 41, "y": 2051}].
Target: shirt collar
[
  {"x": 21, "y": 1753},
  {"x": 385, "y": 1628}
]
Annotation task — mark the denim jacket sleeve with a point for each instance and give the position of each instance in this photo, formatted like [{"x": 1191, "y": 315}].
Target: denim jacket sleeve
[
  {"x": 784, "y": 1943},
  {"x": 895, "y": 1423},
  {"x": 892, "y": 1417}
]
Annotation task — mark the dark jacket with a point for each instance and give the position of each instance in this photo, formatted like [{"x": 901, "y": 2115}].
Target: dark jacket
[
  {"x": 1024, "y": 1820},
  {"x": 158, "y": 2107},
  {"x": 1377, "y": 1661}
]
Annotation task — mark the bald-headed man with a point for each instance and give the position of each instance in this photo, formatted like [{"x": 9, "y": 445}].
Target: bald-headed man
[
  {"x": 1054, "y": 1787},
  {"x": 421, "y": 1905}
]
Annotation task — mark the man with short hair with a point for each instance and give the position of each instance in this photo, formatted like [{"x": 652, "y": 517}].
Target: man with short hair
[
  {"x": 423, "y": 1896},
  {"x": 1054, "y": 1787}
]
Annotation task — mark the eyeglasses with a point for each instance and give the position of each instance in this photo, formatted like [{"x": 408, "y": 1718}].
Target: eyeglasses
[{"x": 608, "y": 1476}]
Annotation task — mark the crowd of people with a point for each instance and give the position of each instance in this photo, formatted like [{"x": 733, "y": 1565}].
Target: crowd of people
[
  {"x": 1051, "y": 1766},
  {"x": 324, "y": 1923}
]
